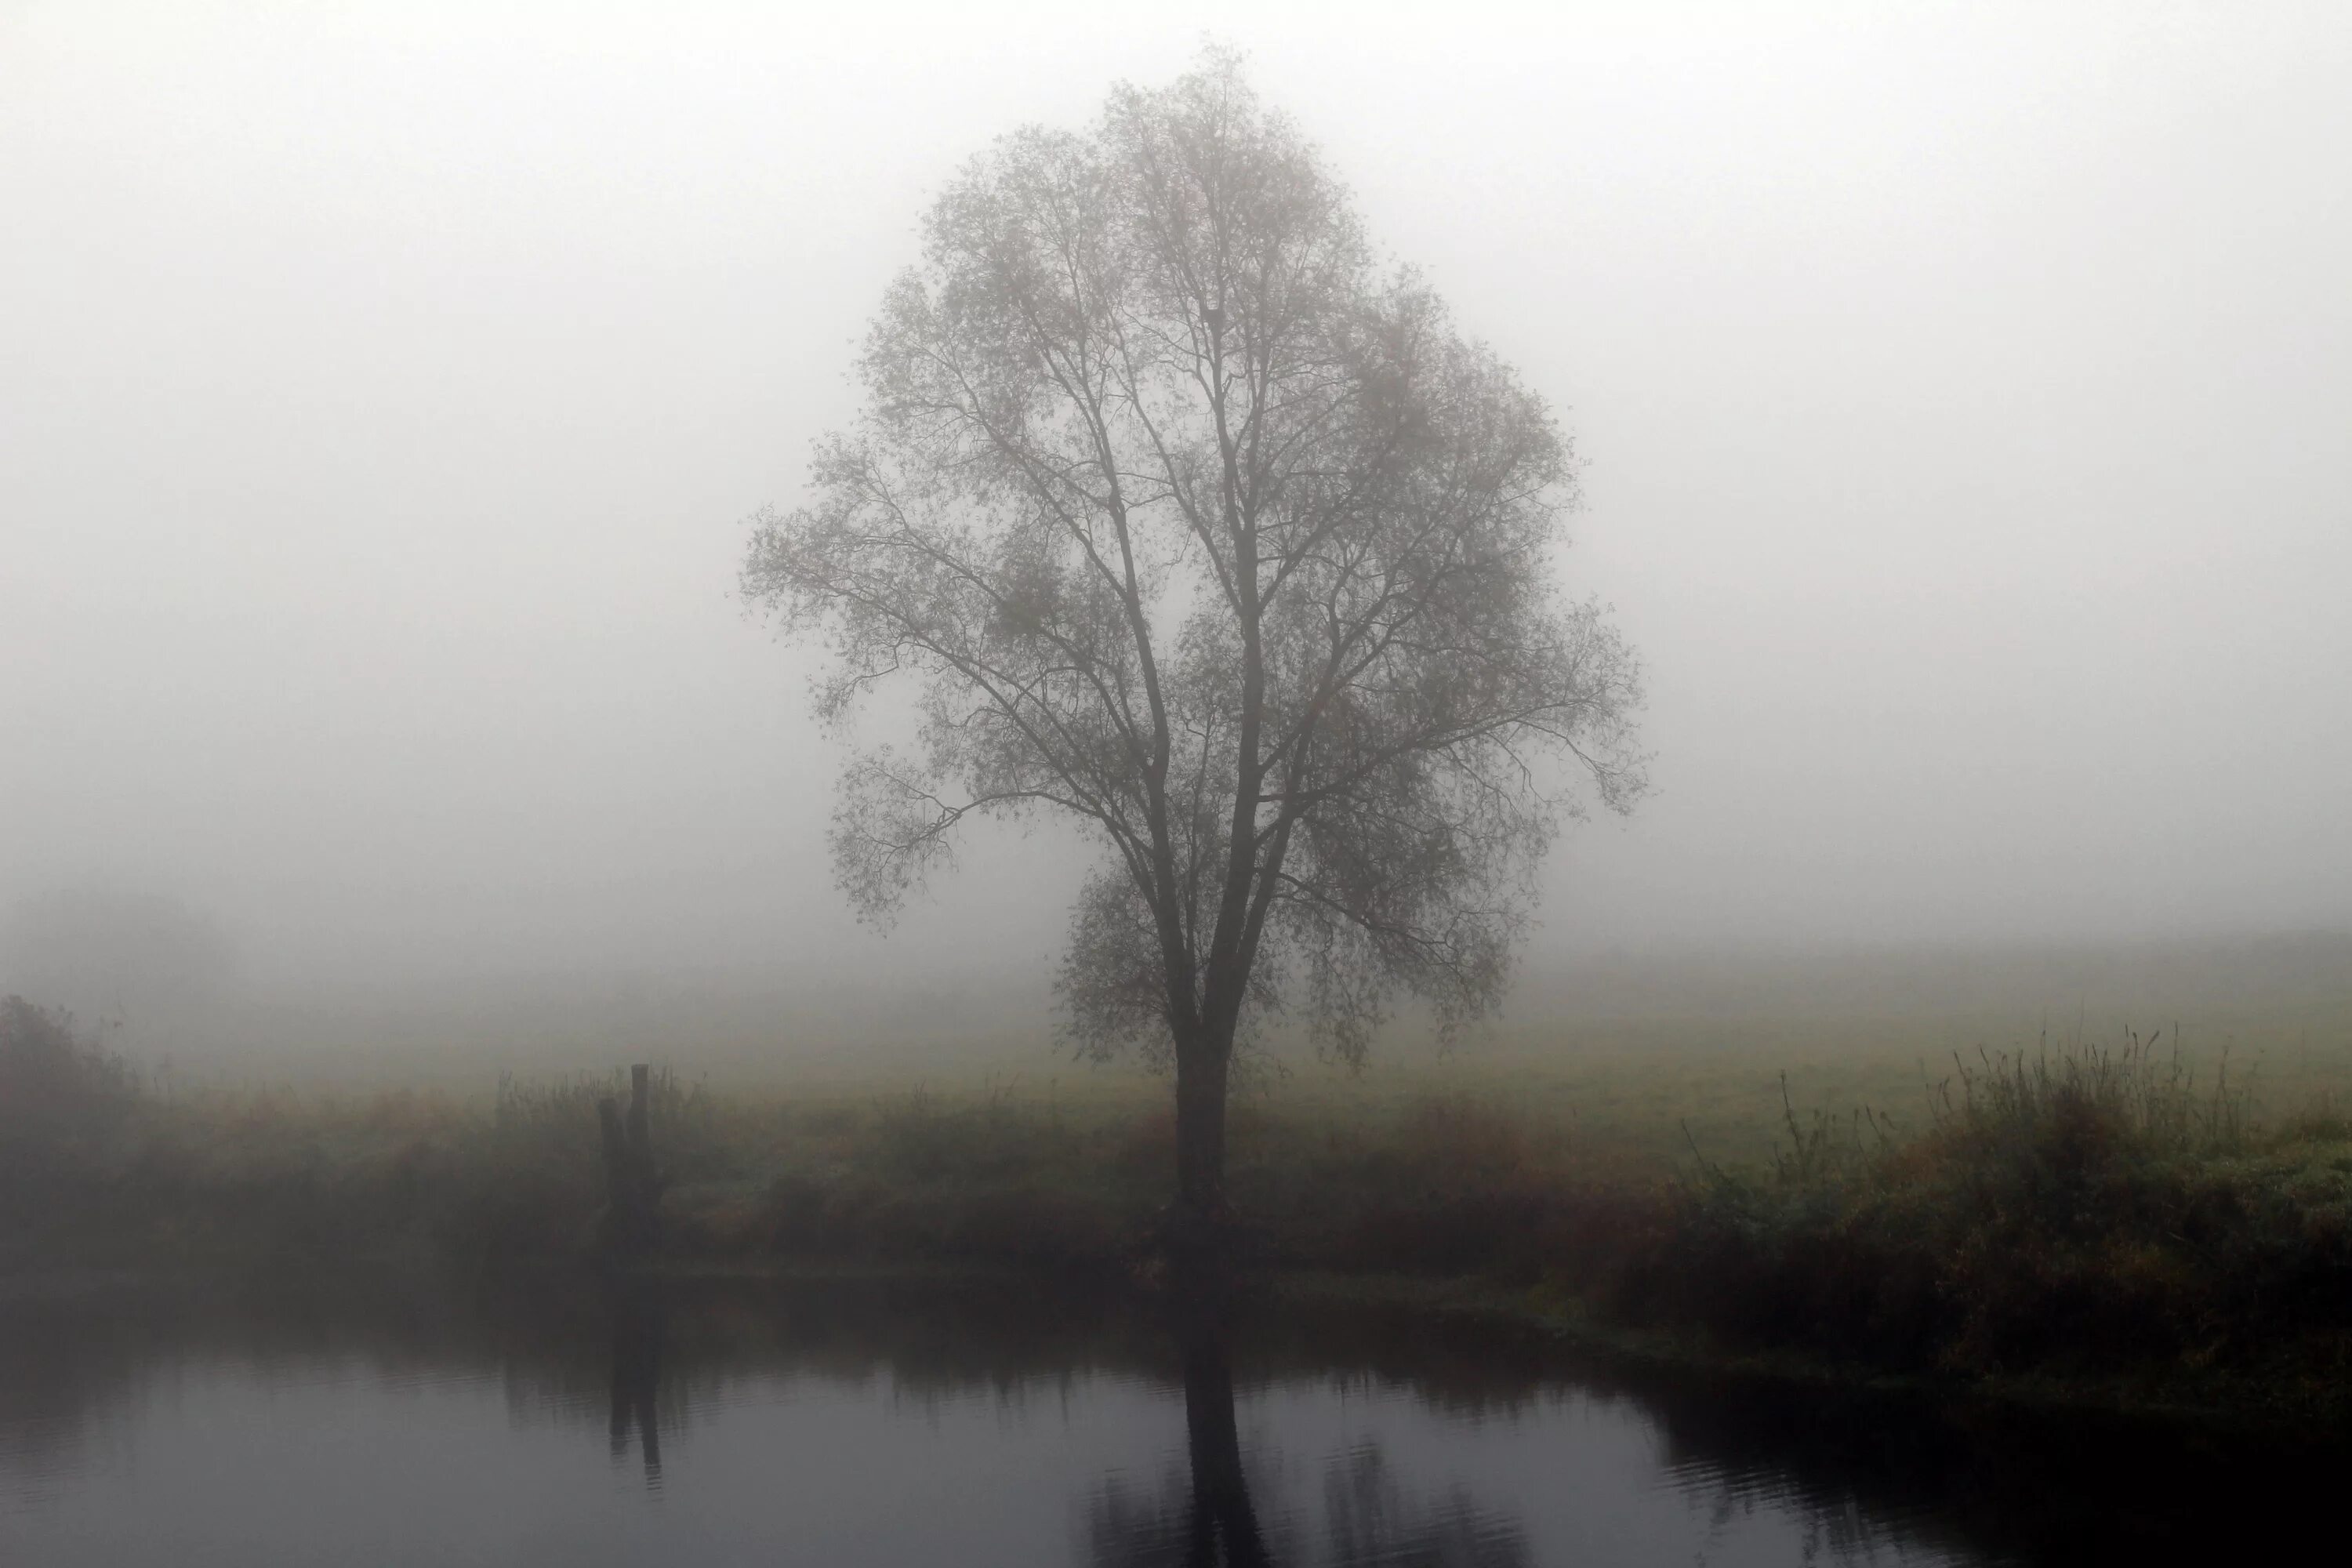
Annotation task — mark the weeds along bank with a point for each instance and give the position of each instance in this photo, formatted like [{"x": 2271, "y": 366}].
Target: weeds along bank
[{"x": 2083, "y": 1214}]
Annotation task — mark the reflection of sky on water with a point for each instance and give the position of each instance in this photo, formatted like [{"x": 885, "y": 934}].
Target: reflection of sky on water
[
  {"x": 852, "y": 1432},
  {"x": 226, "y": 1462}
]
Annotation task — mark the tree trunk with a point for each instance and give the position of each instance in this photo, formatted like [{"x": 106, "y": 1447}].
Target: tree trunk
[{"x": 1200, "y": 1082}]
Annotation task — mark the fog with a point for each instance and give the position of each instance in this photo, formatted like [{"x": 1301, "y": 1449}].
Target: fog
[{"x": 1965, "y": 396}]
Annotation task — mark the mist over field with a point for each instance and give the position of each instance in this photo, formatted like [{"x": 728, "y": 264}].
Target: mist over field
[{"x": 1963, "y": 398}]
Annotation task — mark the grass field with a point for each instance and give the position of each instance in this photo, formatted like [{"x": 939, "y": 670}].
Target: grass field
[{"x": 1902, "y": 1191}]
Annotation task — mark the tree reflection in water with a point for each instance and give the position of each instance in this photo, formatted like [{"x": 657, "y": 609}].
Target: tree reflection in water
[
  {"x": 1370, "y": 1520},
  {"x": 1207, "y": 1519},
  {"x": 1220, "y": 1526},
  {"x": 92, "y": 1370}
]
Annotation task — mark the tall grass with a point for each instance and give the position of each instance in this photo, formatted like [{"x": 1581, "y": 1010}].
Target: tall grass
[
  {"x": 2130, "y": 1091},
  {"x": 2072, "y": 1210},
  {"x": 2076, "y": 1210}
]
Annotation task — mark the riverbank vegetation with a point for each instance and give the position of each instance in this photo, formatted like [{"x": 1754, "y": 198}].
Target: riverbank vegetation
[{"x": 2122, "y": 1216}]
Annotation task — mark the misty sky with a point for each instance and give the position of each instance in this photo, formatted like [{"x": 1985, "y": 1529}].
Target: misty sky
[{"x": 1966, "y": 394}]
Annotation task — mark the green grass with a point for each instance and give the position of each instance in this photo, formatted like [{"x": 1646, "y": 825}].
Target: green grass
[
  {"x": 2077, "y": 1212},
  {"x": 2122, "y": 1214}
]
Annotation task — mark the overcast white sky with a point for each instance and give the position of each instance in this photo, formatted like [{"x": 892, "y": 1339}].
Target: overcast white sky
[{"x": 1967, "y": 394}]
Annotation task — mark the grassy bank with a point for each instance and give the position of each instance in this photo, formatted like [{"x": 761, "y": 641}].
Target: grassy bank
[{"x": 2076, "y": 1214}]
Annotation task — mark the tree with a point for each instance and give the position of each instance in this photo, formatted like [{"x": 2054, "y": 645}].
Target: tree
[{"x": 1189, "y": 522}]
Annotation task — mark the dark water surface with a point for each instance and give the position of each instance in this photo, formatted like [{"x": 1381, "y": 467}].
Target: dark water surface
[{"x": 862, "y": 1422}]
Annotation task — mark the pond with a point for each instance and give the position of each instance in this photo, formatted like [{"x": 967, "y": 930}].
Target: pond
[{"x": 852, "y": 1421}]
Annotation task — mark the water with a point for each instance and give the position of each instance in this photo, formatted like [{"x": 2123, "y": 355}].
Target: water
[{"x": 848, "y": 1422}]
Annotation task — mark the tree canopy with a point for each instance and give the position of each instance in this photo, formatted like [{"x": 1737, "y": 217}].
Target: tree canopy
[{"x": 1188, "y": 519}]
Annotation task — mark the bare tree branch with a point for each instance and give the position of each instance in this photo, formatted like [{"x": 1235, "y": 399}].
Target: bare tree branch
[{"x": 1181, "y": 518}]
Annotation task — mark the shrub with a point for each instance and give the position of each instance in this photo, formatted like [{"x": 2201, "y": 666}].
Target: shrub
[
  {"x": 60, "y": 1089},
  {"x": 2079, "y": 1211}
]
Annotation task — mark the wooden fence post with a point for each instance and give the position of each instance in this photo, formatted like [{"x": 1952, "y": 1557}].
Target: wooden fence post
[{"x": 632, "y": 1184}]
